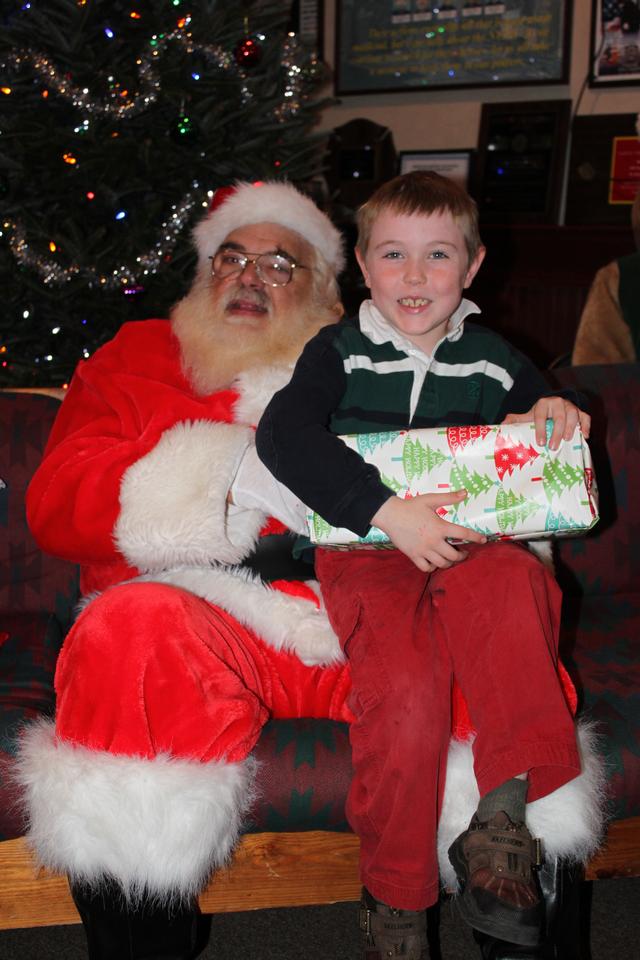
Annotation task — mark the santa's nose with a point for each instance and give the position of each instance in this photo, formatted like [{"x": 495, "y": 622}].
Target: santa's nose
[{"x": 249, "y": 276}]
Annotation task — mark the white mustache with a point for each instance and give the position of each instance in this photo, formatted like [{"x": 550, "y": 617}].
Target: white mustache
[{"x": 257, "y": 298}]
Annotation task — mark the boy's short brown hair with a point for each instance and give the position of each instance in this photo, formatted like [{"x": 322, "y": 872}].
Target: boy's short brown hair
[{"x": 423, "y": 192}]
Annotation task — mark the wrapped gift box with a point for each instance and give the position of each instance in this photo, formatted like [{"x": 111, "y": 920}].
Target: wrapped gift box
[{"x": 517, "y": 489}]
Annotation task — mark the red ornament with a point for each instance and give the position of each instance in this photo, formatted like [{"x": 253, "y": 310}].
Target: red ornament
[{"x": 248, "y": 53}]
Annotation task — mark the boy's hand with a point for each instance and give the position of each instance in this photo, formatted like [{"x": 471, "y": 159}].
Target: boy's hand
[
  {"x": 417, "y": 530},
  {"x": 565, "y": 416}
]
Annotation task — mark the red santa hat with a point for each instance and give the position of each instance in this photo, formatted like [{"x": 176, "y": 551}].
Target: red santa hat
[{"x": 267, "y": 202}]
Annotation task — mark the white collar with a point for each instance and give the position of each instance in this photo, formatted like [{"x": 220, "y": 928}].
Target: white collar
[{"x": 374, "y": 325}]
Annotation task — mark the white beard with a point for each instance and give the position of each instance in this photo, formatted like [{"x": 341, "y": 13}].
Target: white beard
[{"x": 214, "y": 352}]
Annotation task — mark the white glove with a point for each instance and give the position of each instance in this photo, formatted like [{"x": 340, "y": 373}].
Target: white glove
[{"x": 255, "y": 488}]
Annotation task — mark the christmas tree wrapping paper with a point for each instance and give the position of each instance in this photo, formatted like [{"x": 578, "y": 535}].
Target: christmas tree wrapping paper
[{"x": 517, "y": 489}]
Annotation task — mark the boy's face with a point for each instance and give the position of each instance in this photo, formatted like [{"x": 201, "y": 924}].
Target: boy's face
[{"x": 416, "y": 267}]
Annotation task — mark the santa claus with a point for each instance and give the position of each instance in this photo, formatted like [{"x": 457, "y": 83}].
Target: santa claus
[{"x": 180, "y": 654}]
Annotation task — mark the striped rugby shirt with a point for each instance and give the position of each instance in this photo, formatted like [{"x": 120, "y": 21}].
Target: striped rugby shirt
[{"x": 362, "y": 375}]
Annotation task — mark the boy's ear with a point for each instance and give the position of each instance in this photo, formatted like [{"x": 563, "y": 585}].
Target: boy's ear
[
  {"x": 361, "y": 264},
  {"x": 474, "y": 266}
]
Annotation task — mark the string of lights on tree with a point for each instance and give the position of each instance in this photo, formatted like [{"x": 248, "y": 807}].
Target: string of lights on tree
[{"x": 242, "y": 70}]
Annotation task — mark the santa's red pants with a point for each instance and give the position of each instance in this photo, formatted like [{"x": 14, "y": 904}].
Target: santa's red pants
[
  {"x": 491, "y": 622},
  {"x": 151, "y": 669}
]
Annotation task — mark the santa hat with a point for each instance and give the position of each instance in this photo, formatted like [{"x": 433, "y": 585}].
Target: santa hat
[{"x": 270, "y": 202}]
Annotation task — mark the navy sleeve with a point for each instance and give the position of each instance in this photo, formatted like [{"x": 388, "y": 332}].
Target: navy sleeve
[
  {"x": 529, "y": 385},
  {"x": 295, "y": 442}
]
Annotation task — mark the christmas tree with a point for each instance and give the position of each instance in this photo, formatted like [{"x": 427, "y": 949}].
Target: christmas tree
[{"x": 119, "y": 119}]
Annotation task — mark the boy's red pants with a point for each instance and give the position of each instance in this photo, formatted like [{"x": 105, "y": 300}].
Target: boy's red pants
[{"x": 491, "y": 621}]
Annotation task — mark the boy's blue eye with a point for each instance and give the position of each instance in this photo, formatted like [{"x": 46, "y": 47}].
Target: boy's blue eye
[
  {"x": 439, "y": 255},
  {"x": 392, "y": 255}
]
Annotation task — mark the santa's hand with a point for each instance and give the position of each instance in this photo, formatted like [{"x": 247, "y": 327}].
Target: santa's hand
[{"x": 313, "y": 641}]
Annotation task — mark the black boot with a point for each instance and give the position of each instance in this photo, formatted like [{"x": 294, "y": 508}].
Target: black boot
[
  {"x": 147, "y": 931},
  {"x": 562, "y": 937}
]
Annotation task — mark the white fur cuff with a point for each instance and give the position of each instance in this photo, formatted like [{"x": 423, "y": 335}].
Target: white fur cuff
[
  {"x": 570, "y": 820},
  {"x": 159, "y": 827},
  {"x": 173, "y": 501}
]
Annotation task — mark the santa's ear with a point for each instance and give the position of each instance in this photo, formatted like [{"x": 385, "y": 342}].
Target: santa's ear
[{"x": 337, "y": 310}]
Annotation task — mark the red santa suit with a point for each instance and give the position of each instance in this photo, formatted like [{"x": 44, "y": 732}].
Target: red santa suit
[{"x": 174, "y": 665}]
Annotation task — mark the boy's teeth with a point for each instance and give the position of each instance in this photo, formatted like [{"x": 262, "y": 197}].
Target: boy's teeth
[{"x": 413, "y": 302}]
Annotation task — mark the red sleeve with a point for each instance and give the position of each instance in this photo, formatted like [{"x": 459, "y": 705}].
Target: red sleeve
[{"x": 117, "y": 407}]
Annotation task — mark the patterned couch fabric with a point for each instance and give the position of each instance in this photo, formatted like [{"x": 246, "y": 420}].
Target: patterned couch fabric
[
  {"x": 30, "y": 581},
  {"x": 29, "y": 646},
  {"x": 600, "y": 577},
  {"x": 37, "y": 593},
  {"x": 303, "y": 777}
]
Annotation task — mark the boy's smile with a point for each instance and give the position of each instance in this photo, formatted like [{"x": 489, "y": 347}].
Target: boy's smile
[{"x": 416, "y": 267}]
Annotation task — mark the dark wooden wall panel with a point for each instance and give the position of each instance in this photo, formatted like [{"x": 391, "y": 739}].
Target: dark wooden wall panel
[{"x": 535, "y": 280}]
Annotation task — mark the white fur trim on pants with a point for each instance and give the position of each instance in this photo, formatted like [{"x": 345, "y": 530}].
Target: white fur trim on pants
[
  {"x": 570, "y": 821},
  {"x": 158, "y": 827}
]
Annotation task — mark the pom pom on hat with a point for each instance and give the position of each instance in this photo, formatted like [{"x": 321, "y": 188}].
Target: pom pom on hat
[{"x": 267, "y": 202}]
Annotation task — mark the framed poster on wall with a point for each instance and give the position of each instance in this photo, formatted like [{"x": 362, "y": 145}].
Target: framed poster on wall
[
  {"x": 615, "y": 43},
  {"x": 392, "y": 45}
]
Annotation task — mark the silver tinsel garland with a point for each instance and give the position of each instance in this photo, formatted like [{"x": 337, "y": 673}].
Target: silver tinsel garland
[
  {"x": 116, "y": 106},
  {"x": 299, "y": 65},
  {"x": 120, "y": 278}
]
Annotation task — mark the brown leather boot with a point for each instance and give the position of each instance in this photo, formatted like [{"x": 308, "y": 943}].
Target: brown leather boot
[
  {"x": 387, "y": 932},
  {"x": 499, "y": 896}
]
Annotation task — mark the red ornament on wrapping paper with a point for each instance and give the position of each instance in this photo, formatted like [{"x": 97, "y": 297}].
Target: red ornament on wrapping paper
[{"x": 248, "y": 53}]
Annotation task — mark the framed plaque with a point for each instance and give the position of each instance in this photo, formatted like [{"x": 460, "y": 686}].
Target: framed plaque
[
  {"x": 308, "y": 19},
  {"x": 391, "y": 45},
  {"x": 455, "y": 164},
  {"x": 521, "y": 160},
  {"x": 624, "y": 183}
]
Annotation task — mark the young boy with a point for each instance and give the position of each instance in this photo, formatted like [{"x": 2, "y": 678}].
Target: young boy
[{"x": 412, "y": 619}]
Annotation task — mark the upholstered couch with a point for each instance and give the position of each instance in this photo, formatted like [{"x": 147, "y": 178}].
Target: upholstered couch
[{"x": 299, "y": 849}]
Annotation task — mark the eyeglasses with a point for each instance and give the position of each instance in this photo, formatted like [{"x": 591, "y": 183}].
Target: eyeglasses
[{"x": 272, "y": 269}]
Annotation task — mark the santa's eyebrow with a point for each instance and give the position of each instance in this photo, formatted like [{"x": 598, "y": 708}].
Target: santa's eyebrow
[{"x": 232, "y": 246}]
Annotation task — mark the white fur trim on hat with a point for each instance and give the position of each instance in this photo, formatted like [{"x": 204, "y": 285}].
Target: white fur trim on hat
[{"x": 270, "y": 202}]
